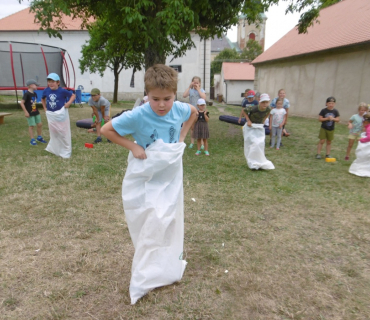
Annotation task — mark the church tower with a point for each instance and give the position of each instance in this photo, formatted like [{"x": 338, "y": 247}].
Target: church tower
[{"x": 247, "y": 32}]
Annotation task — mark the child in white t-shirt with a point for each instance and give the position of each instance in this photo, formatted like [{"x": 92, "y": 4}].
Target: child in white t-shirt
[{"x": 277, "y": 120}]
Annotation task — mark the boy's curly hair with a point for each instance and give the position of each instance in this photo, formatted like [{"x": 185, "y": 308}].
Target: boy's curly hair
[{"x": 162, "y": 77}]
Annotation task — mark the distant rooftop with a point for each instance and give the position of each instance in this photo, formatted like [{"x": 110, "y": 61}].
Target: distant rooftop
[
  {"x": 238, "y": 71},
  {"x": 343, "y": 24},
  {"x": 24, "y": 21},
  {"x": 219, "y": 44}
]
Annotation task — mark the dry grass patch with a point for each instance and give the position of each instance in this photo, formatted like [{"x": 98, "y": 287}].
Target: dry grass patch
[{"x": 294, "y": 240}]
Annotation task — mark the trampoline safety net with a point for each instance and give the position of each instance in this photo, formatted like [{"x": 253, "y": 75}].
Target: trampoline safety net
[{"x": 20, "y": 61}]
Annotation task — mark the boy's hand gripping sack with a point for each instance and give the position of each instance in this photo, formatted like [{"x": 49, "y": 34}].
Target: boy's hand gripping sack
[
  {"x": 361, "y": 165},
  {"x": 254, "y": 147},
  {"x": 60, "y": 142},
  {"x": 153, "y": 201}
]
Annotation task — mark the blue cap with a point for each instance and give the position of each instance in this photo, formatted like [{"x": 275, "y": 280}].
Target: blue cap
[{"x": 53, "y": 76}]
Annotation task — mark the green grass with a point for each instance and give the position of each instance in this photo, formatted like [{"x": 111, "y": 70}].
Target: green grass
[{"x": 295, "y": 240}]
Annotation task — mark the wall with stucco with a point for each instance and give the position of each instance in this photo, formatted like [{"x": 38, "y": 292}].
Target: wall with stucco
[
  {"x": 193, "y": 63},
  {"x": 309, "y": 80},
  {"x": 233, "y": 89}
]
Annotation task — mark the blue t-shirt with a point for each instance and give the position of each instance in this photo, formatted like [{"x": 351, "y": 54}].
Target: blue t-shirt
[
  {"x": 146, "y": 126},
  {"x": 286, "y": 103},
  {"x": 56, "y": 99}
]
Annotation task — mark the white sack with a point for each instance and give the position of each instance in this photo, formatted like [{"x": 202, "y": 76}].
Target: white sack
[
  {"x": 153, "y": 201},
  {"x": 361, "y": 165},
  {"x": 254, "y": 147},
  {"x": 60, "y": 142}
]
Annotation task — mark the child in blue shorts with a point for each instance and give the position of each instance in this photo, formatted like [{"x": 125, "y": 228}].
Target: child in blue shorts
[{"x": 28, "y": 105}]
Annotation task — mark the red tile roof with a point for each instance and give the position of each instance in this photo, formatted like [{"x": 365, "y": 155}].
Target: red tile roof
[
  {"x": 342, "y": 24},
  {"x": 238, "y": 71},
  {"x": 24, "y": 21}
]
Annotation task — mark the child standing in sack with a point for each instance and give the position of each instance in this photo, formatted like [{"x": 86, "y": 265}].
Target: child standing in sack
[
  {"x": 152, "y": 189},
  {"x": 257, "y": 113},
  {"x": 200, "y": 131},
  {"x": 55, "y": 101}
]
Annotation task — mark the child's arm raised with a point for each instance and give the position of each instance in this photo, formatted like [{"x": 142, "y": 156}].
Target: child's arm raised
[
  {"x": 108, "y": 131},
  {"x": 186, "y": 125}
]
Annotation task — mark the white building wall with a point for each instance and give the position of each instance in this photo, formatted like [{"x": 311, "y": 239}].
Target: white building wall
[
  {"x": 193, "y": 63},
  {"x": 234, "y": 90}
]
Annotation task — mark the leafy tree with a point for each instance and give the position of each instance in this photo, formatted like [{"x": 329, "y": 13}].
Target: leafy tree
[
  {"x": 107, "y": 49},
  {"x": 251, "y": 51},
  {"x": 226, "y": 55},
  {"x": 163, "y": 26}
]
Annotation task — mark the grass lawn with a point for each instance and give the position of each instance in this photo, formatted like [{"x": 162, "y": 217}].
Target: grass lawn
[{"x": 295, "y": 240}]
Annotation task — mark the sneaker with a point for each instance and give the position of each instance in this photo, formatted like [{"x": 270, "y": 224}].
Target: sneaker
[
  {"x": 346, "y": 158},
  {"x": 33, "y": 142},
  {"x": 40, "y": 139},
  {"x": 97, "y": 140},
  {"x": 202, "y": 147},
  {"x": 328, "y": 156},
  {"x": 109, "y": 141},
  {"x": 206, "y": 153},
  {"x": 277, "y": 148},
  {"x": 318, "y": 156},
  {"x": 191, "y": 146},
  {"x": 197, "y": 153}
]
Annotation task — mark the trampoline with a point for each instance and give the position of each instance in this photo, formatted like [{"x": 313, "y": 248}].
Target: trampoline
[{"x": 20, "y": 61}]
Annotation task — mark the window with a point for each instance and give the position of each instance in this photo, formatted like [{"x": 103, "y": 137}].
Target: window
[{"x": 177, "y": 68}]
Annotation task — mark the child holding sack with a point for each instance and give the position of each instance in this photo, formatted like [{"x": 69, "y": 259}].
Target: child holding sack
[
  {"x": 56, "y": 101},
  {"x": 152, "y": 189}
]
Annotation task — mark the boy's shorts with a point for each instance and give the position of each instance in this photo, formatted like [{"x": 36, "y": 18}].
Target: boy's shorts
[
  {"x": 326, "y": 134},
  {"x": 33, "y": 120},
  {"x": 353, "y": 136},
  {"x": 106, "y": 113}
]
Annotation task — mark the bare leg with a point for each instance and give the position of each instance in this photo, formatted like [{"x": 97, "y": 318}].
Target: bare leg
[
  {"x": 39, "y": 128},
  {"x": 30, "y": 131},
  {"x": 328, "y": 147},
  {"x": 319, "y": 146},
  {"x": 98, "y": 126},
  {"x": 199, "y": 143},
  {"x": 191, "y": 135},
  {"x": 205, "y": 144},
  {"x": 350, "y": 145}
]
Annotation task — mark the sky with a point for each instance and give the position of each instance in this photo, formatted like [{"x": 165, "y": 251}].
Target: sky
[{"x": 277, "y": 25}]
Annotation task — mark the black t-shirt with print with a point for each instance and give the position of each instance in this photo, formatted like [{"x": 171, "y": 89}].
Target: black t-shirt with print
[
  {"x": 328, "y": 125},
  {"x": 30, "y": 99}
]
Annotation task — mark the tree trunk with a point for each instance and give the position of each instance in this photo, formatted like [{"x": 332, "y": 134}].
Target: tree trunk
[
  {"x": 116, "y": 78},
  {"x": 153, "y": 56}
]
